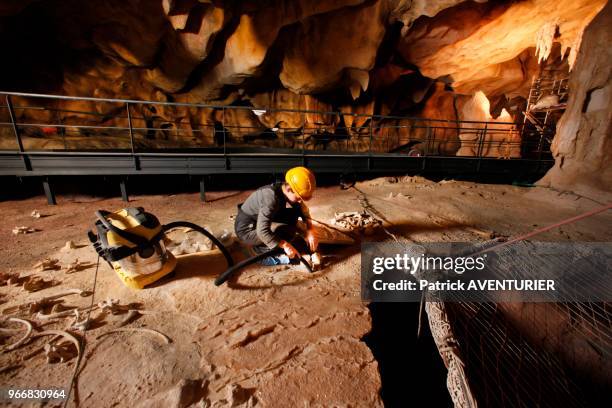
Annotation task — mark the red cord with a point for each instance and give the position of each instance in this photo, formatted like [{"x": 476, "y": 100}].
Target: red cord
[{"x": 549, "y": 227}]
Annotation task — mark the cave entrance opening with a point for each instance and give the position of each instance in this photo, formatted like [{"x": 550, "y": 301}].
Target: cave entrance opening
[{"x": 411, "y": 369}]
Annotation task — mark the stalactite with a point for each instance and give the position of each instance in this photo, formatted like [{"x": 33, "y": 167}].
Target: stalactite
[{"x": 544, "y": 40}]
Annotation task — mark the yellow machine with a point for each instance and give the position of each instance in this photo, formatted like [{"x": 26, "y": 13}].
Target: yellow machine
[{"x": 132, "y": 242}]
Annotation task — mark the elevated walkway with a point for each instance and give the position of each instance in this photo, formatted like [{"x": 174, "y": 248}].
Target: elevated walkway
[{"x": 48, "y": 135}]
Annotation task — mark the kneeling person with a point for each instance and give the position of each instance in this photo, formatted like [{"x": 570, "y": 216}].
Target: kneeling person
[{"x": 281, "y": 204}]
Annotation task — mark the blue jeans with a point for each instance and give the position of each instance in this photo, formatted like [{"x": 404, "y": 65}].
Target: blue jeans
[{"x": 275, "y": 260}]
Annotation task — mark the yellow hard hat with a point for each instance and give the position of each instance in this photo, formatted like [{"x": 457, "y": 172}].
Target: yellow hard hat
[{"x": 302, "y": 182}]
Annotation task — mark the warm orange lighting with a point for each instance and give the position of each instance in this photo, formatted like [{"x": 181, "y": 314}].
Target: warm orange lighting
[{"x": 499, "y": 140}]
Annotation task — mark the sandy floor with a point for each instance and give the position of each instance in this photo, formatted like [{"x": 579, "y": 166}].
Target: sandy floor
[{"x": 272, "y": 336}]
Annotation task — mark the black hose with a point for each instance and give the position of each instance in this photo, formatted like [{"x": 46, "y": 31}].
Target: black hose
[
  {"x": 196, "y": 227},
  {"x": 133, "y": 238},
  {"x": 231, "y": 270},
  {"x": 275, "y": 251},
  {"x": 306, "y": 264}
]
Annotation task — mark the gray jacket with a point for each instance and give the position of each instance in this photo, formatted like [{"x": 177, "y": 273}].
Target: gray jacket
[{"x": 262, "y": 206}]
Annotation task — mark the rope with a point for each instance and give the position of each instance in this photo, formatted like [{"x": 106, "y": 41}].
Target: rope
[
  {"x": 85, "y": 327},
  {"x": 457, "y": 380},
  {"x": 547, "y": 228},
  {"x": 500, "y": 343}
]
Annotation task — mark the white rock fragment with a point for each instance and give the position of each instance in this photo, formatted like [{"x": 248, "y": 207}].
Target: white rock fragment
[
  {"x": 23, "y": 230},
  {"x": 35, "y": 214},
  {"x": 68, "y": 246},
  {"x": 35, "y": 283},
  {"x": 48, "y": 264},
  {"x": 76, "y": 266},
  {"x": 58, "y": 352},
  {"x": 398, "y": 195},
  {"x": 202, "y": 246},
  {"x": 356, "y": 221},
  {"x": 316, "y": 261},
  {"x": 186, "y": 247},
  {"x": 226, "y": 238},
  {"x": 546, "y": 102},
  {"x": 196, "y": 242}
]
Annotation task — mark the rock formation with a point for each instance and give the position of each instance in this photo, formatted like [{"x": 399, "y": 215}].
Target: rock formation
[
  {"x": 490, "y": 44},
  {"x": 501, "y": 140},
  {"x": 583, "y": 144},
  {"x": 357, "y": 57}
]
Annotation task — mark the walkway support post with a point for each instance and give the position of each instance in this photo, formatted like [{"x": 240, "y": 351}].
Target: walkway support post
[
  {"x": 370, "y": 144},
  {"x": 49, "y": 192},
  {"x": 203, "y": 189},
  {"x": 123, "y": 187},
  {"x": 225, "y": 159}
]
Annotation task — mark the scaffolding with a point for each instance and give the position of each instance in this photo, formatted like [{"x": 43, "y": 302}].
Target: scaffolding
[{"x": 546, "y": 102}]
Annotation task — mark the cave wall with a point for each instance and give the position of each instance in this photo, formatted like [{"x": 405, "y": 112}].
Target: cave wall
[
  {"x": 390, "y": 57},
  {"x": 212, "y": 50},
  {"x": 491, "y": 44},
  {"x": 582, "y": 146}
]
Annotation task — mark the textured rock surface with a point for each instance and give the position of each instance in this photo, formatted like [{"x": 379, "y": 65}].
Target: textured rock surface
[
  {"x": 272, "y": 337},
  {"x": 211, "y": 50},
  {"x": 323, "y": 50},
  {"x": 501, "y": 36},
  {"x": 282, "y": 337},
  {"x": 414, "y": 58},
  {"x": 441, "y": 105},
  {"x": 247, "y": 46},
  {"x": 583, "y": 143},
  {"x": 430, "y": 37},
  {"x": 187, "y": 45},
  {"x": 501, "y": 139},
  {"x": 407, "y": 11}
]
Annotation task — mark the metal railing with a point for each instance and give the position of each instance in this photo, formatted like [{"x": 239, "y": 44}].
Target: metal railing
[
  {"x": 48, "y": 136},
  {"x": 49, "y": 124}
]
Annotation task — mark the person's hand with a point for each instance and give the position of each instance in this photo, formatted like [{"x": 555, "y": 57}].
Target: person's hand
[
  {"x": 289, "y": 249},
  {"x": 312, "y": 240}
]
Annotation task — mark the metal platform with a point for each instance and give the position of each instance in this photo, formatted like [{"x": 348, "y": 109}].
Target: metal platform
[
  {"x": 326, "y": 144},
  {"x": 109, "y": 163}
]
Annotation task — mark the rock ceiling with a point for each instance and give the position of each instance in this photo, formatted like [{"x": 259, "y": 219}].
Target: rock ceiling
[{"x": 378, "y": 56}]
